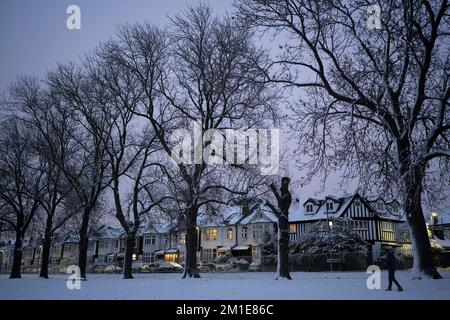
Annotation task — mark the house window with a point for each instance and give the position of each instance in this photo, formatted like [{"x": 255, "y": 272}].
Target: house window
[
  {"x": 209, "y": 254},
  {"x": 360, "y": 224},
  {"x": 309, "y": 208},
  {"x": 329, "y": 206},
  {"x": 293, "y": 228},
  {"x": 150, "y": 240},
  {"x": 230, "y": 234},
  {"x": 396, "y": 207},
  {"x": 210, "y": 234},
  {"x": 182, "y": 257},
  {"x": 256, "y": 253},
  {"x": 147, "y": 257},
  {"x": 387, "y": 226},
  {"x": 244, "y": 232},
  {"x": 257, "y": 231},
  {"x": 182, "y": 237},
  {"x": 380, "y": 206},
  {"x": 357, "y": 203},
  {"x": 117, "y": 244}
]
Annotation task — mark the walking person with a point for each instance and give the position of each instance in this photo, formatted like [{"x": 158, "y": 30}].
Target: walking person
[{"x": 391, "y": 266}]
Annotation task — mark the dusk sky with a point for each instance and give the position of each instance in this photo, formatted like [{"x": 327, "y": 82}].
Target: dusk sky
[{"x": 35, "y": 37}]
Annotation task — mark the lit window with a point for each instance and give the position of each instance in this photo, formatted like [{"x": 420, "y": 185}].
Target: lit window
[
  {"x": 293, "y": 228},
  {"x": 230, "y": 234},
  {"x": 210, "y": 234}
]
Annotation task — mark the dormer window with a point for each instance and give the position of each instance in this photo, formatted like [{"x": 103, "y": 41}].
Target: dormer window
[
  {"x": 395, "y": 207},
  {"x": 380, "y": 206},
  {"x": 309, "y": 208},
  {"x": 329, "y": 206}
]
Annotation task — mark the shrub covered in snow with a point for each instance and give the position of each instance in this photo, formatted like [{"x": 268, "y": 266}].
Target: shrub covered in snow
[{"x": 322, "y": 238}]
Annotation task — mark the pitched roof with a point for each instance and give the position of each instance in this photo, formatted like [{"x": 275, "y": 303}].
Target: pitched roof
[{"x": 297, "y": 212}]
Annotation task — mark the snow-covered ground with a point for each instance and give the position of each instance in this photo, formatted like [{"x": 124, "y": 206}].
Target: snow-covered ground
[{"x": 315, "y": 285}]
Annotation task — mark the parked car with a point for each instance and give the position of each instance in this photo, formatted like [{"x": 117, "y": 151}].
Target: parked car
[
  {"x": 144, "y": 268},
  {"x": 206, "y": 266},
  {"x": 136, "y": 266},
  {"x": 112, "y": 269},
  {"x": 163, "y": 267}
]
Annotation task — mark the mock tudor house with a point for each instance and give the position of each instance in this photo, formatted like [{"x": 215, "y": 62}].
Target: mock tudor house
[{"x": 373, "y": 218}]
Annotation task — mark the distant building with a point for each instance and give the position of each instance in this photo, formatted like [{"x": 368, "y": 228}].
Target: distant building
[{"x": 376, "y": 220}]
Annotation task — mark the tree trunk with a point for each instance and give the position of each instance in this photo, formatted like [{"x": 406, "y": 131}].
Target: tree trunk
[
  {"x": 190, "y": 266},
  {"x": 46, "y": 247},
  {"x": 17, "y": 257},
  {"x": 283, "y": 248},
  {"x": 83, "y": 244},
  {"x": 284, "y": 203},
  {"x": 423, "y": 256},
  {"x": 128, "y": 259},
  {"x": 412, "y": 179}
]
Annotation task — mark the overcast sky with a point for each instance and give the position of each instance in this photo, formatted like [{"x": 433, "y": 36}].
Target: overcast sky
[{"x": 34, "y": 37}]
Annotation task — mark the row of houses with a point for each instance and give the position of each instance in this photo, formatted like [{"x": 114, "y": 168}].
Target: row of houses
[{"x": 243, "y": 230}]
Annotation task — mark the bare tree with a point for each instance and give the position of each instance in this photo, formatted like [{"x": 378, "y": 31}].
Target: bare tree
[
  {"x": 206, "y": 74},
  {"x": 376, "y": 100},
  {"x": 20, "y": 186},
  {"x": 35, "y": 108},
  {"x": 83, "y": 161}
]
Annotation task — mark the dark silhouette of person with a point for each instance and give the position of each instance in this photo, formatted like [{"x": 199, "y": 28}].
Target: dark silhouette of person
[{"x": 391, "y": 266}]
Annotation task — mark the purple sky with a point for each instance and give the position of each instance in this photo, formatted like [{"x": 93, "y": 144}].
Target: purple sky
[{"x": 34, "y": 38}]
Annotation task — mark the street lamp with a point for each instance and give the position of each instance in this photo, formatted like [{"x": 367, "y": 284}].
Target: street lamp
[
  {"x": 329, "y": 225},
  {"x": 434, "y": 220}
]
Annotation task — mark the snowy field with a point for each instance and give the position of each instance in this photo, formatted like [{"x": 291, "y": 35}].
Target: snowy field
[{"x": 347, "y": 285}]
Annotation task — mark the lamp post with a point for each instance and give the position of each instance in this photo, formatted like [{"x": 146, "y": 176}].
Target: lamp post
[
  {"x": 329, "y": 224},
  {"x": 434, "y": 218}
]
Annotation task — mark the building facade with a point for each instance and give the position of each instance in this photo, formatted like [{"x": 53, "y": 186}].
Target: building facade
[{"x": 374, "y": 219}]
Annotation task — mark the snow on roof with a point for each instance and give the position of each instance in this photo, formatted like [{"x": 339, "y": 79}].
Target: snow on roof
[
  {"x": 107, "y": 232},
  {"x": 297, "y": 212},
  {"x": 262, "y": 214},
  {"x": 444, "y": 243},
  {"x": 443, "y": 218},
  {"x": 157, "y": 228},
  {"x": 232, "y": 214},
  {"x": 210, "y": 220},
  {"x": 239, "y": 248}
]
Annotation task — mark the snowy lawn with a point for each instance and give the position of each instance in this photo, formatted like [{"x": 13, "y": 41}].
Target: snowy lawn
[{"x": 314, "y": 285}]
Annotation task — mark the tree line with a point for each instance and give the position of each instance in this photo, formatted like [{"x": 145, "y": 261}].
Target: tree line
[{"x": 373, "y": 104}]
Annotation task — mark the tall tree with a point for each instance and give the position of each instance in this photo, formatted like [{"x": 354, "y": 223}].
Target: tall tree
[
  {"x": 205, "y": 75},
  {"x": 35, "y": 108},
  {"x": 84, "y": 162},
  {"x": 21, "y": 184},
  {"x": 375, "y": 101}
]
